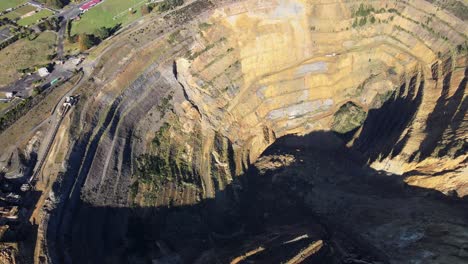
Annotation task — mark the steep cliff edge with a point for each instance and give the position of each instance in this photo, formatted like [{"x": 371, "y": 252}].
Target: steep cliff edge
[{"x": 180, "y": 107}]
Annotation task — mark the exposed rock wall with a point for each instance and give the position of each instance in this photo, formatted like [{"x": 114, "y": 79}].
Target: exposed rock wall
[{"x": 260, "y": 68}]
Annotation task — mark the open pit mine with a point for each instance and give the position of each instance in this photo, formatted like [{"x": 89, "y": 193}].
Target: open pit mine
[{"x": 255, "y": 131}]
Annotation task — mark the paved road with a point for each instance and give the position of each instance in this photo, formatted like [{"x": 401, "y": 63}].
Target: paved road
[
  {"x": 56, "y": 119},
  {"x": 60, "y": 38},
  {"x": 67, "y": 14},
  {"x": 21, "y": 85},
  {"x": 52, "y": 134},
  {"x": 24, "y": 85}
]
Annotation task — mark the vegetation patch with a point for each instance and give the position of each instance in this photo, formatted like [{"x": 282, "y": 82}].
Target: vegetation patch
[
  {"x": 165, "y": 104},
  {"x": 167, "y": 163},
  {"x": 172, "y": 39},
  {"x": 169, "y": 4},
  {"x": 205, "y": 26},
  {"x": 365, "y": 13},
  {"x": 348, "y": 118},
  {"x": 364, "y": 10}
]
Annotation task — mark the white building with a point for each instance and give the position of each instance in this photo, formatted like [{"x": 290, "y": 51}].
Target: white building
[{"x": 43, "y": 72}]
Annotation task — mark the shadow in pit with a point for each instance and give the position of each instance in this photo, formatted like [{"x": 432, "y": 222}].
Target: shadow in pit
[
  {"x": 449, "y": 112},
  {"x": 383, "y": 127},
  {"x": 318, "y": 194}
]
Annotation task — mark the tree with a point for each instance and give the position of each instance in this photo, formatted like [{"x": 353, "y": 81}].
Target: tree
[
  {"x": 69, "y": 27},
  {"x": 145, "y": 10},
  {"x": 85, "y": 41},
  {"x": 102, "y": 33},
  {"x": 50, "y": 24}
]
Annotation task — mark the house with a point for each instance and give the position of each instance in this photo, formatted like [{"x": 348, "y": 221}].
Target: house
[
  {"x": 89, "y": 4},
  {"x": 43, "y": 72}
]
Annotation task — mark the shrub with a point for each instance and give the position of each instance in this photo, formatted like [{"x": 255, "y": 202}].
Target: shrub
[{"x": 363, "y": 21}]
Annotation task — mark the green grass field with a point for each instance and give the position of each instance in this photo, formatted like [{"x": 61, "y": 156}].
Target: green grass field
[
  {"x": 25, "y": 53},
  {"x": 20, "y": 11},
  {"x": 31, "y": 20},
  {"x": 103, "y": 15},
  {"x": 5, "y": 4}
]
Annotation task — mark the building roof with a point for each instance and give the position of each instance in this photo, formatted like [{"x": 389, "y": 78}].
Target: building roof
[
  {"x": 43, "y": 72},
  {"x": 90, "y": 4}
]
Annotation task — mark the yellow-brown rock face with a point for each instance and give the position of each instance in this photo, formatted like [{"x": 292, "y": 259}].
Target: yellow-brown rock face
[{"x": 258, "y": 70}]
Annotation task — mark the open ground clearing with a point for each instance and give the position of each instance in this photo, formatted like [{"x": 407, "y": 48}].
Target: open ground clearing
[
  {"x": 25, "y": 54},
  {"x": 108, "y": 14}
]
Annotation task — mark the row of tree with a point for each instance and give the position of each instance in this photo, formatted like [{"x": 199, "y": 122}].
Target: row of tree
[
  {"x": 55, "y": 3},
  {"x": 169, "y": 4},
  {"x": 52, "y": 23}
]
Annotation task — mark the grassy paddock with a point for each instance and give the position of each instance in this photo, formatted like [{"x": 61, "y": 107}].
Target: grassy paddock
[
  {"x": 5, "y": 4},
  {"x": 20, "y": 12},
  {"x": 31, "y": 20},
  {"x": 108, "y": 14},
  {"x": 25, "y": 53}
]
